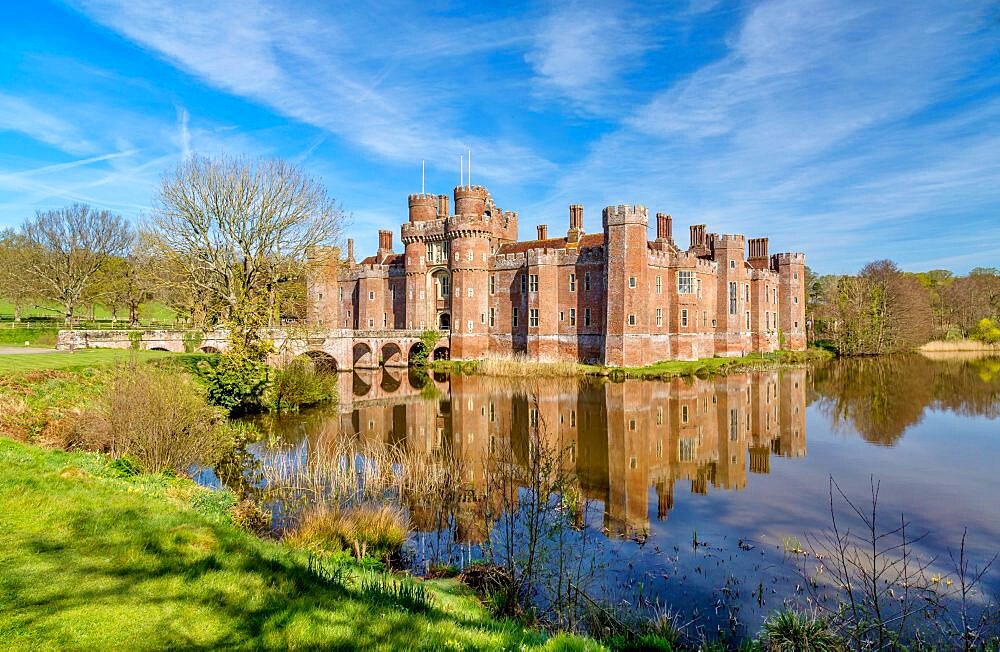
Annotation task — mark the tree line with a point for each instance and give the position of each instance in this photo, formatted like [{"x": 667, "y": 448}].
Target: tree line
[
  {"x": 227, "y": 242},
  {"x": 883, "y": 309}
]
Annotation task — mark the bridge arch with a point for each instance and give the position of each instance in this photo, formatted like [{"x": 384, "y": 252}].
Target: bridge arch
[
  {"x": 442, "y": 353},
  {"x": 361, "y": 383},
  {"x": 322, "y": 361},
  {"x": 389, "y": 382},
  {"x": 363, "y": 355},
  {"x": 392, "y": 355},
  {"x": 209, "y": 349},
  {"x": 416, "y": 350}
]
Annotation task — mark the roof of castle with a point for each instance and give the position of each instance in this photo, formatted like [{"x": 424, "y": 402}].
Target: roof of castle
[
  {"x": 391, "y": 259},
  {"x": 588, "y": 240}
]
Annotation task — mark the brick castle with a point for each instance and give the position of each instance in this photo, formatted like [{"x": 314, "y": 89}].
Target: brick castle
[{"x": 612, "y": 297}]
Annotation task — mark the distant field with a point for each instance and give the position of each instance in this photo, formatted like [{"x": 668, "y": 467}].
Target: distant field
[
  {"x": 152, "y": 311},
  {"x": 69, "y": 361}
]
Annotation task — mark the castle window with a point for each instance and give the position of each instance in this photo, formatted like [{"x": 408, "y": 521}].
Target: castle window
[
  {"x": 470, "y": 325},
  {"x": 533, "y": 317},
  {"x": 796, "y": 324},
  {"x": 572, "y": 418},
  {"x": 684, "y": 317},
  {"x": 748, "y": 320},
  {"x": 795, "y": 299},
  {"x": 371, "y": 323},
  {"x": 341, "y": 294},
  {"x": 493, "y": 284},
  {"x": 560, "y": 315},
  {"x": 468, "y": 291},
  {"x": 659, "y": 417},
  {"x": 684, "y": 414},
  {"x": 659, "y": 285},
  {"x": 767, "y": 321},
  {"x": 422, "y": 294},
  {"x": 572, "y": 316},
  {"x": 484, "y": 256},
  {"x": 746, "y": 292},
  {"x": 482, "y": 317},
  {"x": 470, "y": 255},
  {"x": 513, "y": 317},
  {"x": 704, "y": 318},
  {"x": 533, "y": 283},
  {"x": 371, "y": 295},
  {"x": 523, "y": 283},
  {"x": 659, "y": 316},
  {"x": 586, "y": 316},
  {"x": 732, "y": 264},
  {"x": 631, "y": 282},
  {"x": 795, "y": 275},
  {"x": 493, "y": 317},
  {"x": 586, "y": 281},
  {"x": 631, "y": 424},
  {"x": 732, "y": 297},
  {"x": 631, "y": 320},
  {"x": 572, "y": 282},
  {"x": 385, "y": 320},
  {"x": 774, "y": 295},
  {"x": 685, "y": 282},
  {"x": 714, "y": 323}
]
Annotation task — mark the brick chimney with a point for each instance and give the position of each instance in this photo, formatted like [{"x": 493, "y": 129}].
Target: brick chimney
[
  {"x": 350, "y": 250},
  {"x": 664, "y": 228},
  {"x": 384, "y": 244},
  {"x": 543, "y": 231},
  {"x": 443, "y": 206},
  {"x": 758, "y": 257},
  {"x": 575, "y": 223}
]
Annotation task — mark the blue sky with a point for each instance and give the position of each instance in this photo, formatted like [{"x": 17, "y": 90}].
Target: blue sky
[{"x": 851, "y": 131}]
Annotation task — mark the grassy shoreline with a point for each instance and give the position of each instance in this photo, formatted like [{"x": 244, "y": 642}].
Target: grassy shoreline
[
  {"x": 92, "y": 559},
  {"x": 518, "y": 366}
]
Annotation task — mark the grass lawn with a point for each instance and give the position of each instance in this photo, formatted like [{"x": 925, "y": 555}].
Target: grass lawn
[
  {"x": 147, "y": 312},
  {"x": 77, "y": 360},
  {"x": 35, "y": 337},
  {"x": 91, "y": 560}
]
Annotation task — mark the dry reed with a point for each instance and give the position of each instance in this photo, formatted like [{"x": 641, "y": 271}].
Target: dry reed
[
  {"x": 519, "y": 364},
  {"x": 946, "y": 346}
]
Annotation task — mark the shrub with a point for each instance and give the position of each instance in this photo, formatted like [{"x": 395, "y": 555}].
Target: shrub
[
  {"x": 986, "y": 331},
  {"x": 250, "y": 516},
  {"x": 235, "y": 383},
  {"x": 379, "y": 531},
  {"x": 300, "y": 384},
  {"x": 157, "y": 419},
  {"x": 797, "y": 632}
]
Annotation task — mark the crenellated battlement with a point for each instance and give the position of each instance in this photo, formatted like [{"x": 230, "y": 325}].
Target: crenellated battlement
[
  {"x": 624, "y": 214},
  {"x": 423, "y": 207},
  {"x": 788, "y": 258}
]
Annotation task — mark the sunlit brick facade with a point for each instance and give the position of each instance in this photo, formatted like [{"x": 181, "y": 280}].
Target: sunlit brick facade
[{"x": 613, "y": 297}]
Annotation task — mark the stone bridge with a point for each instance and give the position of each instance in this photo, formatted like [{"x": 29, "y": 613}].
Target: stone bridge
[{"x": 339, "y": 349}]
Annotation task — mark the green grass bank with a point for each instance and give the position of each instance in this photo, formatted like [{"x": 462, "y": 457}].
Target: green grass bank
[
  {"x": 91, "y": 559},
  {"x": 521, "y": 366}
]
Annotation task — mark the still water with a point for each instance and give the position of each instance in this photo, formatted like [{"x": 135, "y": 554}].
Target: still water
[{"x": 695, "y": 493}]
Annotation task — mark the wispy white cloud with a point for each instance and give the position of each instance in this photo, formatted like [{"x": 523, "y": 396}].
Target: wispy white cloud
[
  {"x": 183, "y": 132},
  {"x": 821, "y": 127},
  {"x": 317, "y": 69},
  {"x": 580, "y": 51},
  {"x": 18, "y": 114}
]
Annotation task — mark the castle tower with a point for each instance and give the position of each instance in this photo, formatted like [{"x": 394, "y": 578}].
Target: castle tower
[
  {"x": 791, "y": 268},
  {"x": 384, "y": 245},
  {"x": 423, "y": 210},
  {"x": 322, "y": 288},
  {"x": 732, "y": 337},
  {"x": 627, "y": 317},
  {"x": 627, "y": 508},
  {"x": 468, "y": 234}
]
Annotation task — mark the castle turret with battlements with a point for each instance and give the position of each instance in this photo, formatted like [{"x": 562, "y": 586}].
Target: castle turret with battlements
[{"x": 612, "y": 297}]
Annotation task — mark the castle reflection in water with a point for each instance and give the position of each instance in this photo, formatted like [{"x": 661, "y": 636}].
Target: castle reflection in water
[{"x": 622, "y": 438}]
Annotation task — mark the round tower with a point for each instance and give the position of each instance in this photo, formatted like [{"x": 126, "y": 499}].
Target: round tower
[
  {"x": 471, "y": 200},
  {"x": 469, "y": 236},
  {"x": 423, "y": 207}
]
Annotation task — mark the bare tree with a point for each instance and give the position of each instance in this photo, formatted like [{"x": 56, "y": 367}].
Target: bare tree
[
  {"x": 69, "y": 246},
  {"x": 17, "y": 284},
  {"x": 237, "y": 228}
]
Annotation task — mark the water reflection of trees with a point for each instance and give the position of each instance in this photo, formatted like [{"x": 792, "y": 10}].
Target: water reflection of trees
[{"x": 881, "y": 397}]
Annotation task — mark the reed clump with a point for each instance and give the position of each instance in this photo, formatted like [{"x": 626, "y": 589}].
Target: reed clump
[
  {"x": 376, "y": 531},
  {"x": 519, "y": 364},
  {"x": 948, "y": 346}
]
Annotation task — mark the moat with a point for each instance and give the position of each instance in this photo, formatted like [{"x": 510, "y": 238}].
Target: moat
[{"x": 698, "y": 494}]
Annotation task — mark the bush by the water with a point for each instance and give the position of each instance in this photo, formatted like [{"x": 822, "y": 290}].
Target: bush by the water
[
  {"x": 791, "y": 631},
  {"x": 235, "y": 383},
  {"x": 986, "y": 331},
  {"x": 366, "y": 531},
  {"x": 300, "y": 384},
  {"x": 155, "y": 418}
]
